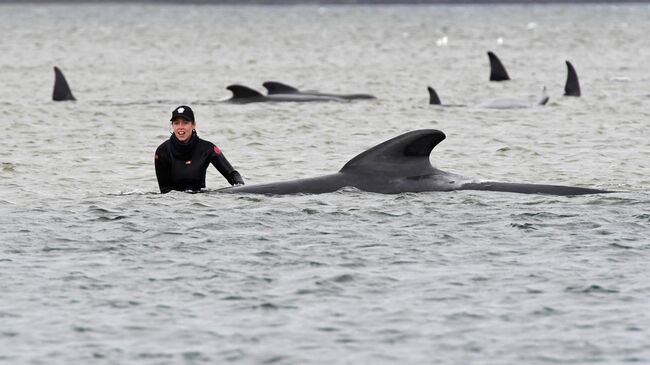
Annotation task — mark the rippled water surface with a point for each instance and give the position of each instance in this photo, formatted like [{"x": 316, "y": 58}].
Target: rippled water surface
[{"x": 97, "y": 267}]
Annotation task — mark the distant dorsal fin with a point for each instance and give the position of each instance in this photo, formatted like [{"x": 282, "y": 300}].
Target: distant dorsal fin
[
  {"x": 497, "y": 71},
  {"x": 433, "y": 96},
  {"x": 407, "y": 152},
  {"x": 572, "y": 86},
  {"x": 274, "y": 87},
  {"x": 543, "y": 98},
  {"x": 243, "y": 92},
  {"x": 61, "y": 91}
]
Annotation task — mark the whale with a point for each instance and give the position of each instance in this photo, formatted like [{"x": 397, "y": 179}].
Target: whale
[
  {"x": 497, "y": 71},
  {"x": 401, "y": 165},
  {"x": 244, "y": 95},
  {"x": 505, "y": 103},
  {"x": 275, "y": 88},
  {"x": 572, "y": 85},
  {"x": 62, "y": 90}
]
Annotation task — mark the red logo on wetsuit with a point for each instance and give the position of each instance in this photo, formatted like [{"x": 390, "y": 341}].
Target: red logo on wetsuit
[
  {"x": 188, "y": 162},
  {"x": 156, "y": 158},
  {"x": 217, "y": 150}
]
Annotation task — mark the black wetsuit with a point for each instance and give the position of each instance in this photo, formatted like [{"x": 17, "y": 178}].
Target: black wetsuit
[{"x": 182, "y": 166}]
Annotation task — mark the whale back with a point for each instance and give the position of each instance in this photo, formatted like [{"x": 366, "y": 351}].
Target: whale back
[{"x": 274, "y": 87}]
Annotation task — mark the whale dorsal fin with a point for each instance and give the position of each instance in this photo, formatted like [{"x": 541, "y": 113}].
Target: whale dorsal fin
[
  {"x": 404, "y": 155},
  {"x": 61, "y": 91},
  {"x": 433, "y": 96},
  {"x": 274, "y": 87},
  {"x": 243, "y": 92},
  {"x": 572, "y": 86},
  {"x": 497, "y": 71},
  {"x": 543, "y": 98}
]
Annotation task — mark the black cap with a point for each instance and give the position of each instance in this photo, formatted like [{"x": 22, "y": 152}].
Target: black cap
[{"x": 184, "y": 112}]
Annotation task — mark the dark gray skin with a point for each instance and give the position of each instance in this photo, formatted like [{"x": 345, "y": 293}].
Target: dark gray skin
[
  {"x": 572, "y": 85},
  {"x": 244, "y": 95},
  {"x": 61, "y": 91},
  {"x": 401, "y": 165},
  {"x": 274, "y": 88},
  {"x": 497, "y": 71}
]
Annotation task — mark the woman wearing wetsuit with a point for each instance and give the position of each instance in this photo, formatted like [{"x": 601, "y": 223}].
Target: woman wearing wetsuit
[{"x": 182, "y": 160}]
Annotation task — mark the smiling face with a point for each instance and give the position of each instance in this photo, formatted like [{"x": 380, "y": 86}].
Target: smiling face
[{"x": 183, "y": 129}]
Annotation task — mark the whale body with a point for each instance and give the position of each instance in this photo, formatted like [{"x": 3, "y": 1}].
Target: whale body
[
  {"x": 244, "y": 95},
  {"x": 401, "y": 165},
  {"x": 275, "y": 88}
]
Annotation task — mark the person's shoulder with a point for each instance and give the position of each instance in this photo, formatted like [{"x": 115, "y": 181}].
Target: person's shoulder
[
  {"x": 209, "y": 146},
  {"x": 163, "y": 146},
  {"x": 206, "y": 144},
  {"x": 165, "y": 143}
]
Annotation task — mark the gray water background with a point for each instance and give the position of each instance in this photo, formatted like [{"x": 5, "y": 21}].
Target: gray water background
[{"x": 97, "y": 267}]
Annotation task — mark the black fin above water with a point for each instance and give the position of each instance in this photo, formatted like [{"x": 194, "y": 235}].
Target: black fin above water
[
  {"x": 61, "y": 91},
  {"x": 407, "y": 154},
  {"x": 433, "y": 96},
  {"x": 274, "y": 87},
  {"x": 572, "y": 86},
  {"x": 243, "y": 92},
  {"x": 497, "y": 71}
]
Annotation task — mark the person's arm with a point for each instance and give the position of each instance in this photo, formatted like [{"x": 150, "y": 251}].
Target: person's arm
[
  {"x": 225, "y": 168},
  {"x": 163, "y": 170}
]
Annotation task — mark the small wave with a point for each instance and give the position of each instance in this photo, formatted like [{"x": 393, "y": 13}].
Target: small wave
[
  {"x": 543, "y": 215},
  {"x": 62, "y": 249},
  {"x": 122, "y": 303},
  {"x": 618, "y": 245},
  {"x": 525, "y": 226},
  {"x": 591, "y": 289},
  {"x": 545, "y": 311},
  {"x": 109, "y": 219},
  {"x": 645, "y": 217},
  {"x": 81, "y": 329},
  {"x": 8, "y": 315},
  {"x": 345, "y": 278},
  {"x": 234, "y": 297},
  {"x": 266, "y": 254},
  {"x": 275, "y": 359},
  {"x": 133, "y": 192},
  {"x": 267, "y": 305},
  {"x": 154, "y": 355},
  {"x": 620, "y": 79},
  {"x": 8, "y": 166},
  {"x": 8, "y": 334},
  {"x": 330, "y": 284},
  {"x": 310, "y": 211}
]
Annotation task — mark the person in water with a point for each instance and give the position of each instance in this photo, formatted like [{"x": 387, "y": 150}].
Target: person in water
[{"x": 182, "y": 160}]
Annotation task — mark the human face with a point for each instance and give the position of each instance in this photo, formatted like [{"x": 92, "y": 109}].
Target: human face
[{"x": 183, "y": 129}]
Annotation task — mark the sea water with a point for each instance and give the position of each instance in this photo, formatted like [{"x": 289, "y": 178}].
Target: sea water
[{"x": 97, "y": 267}]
